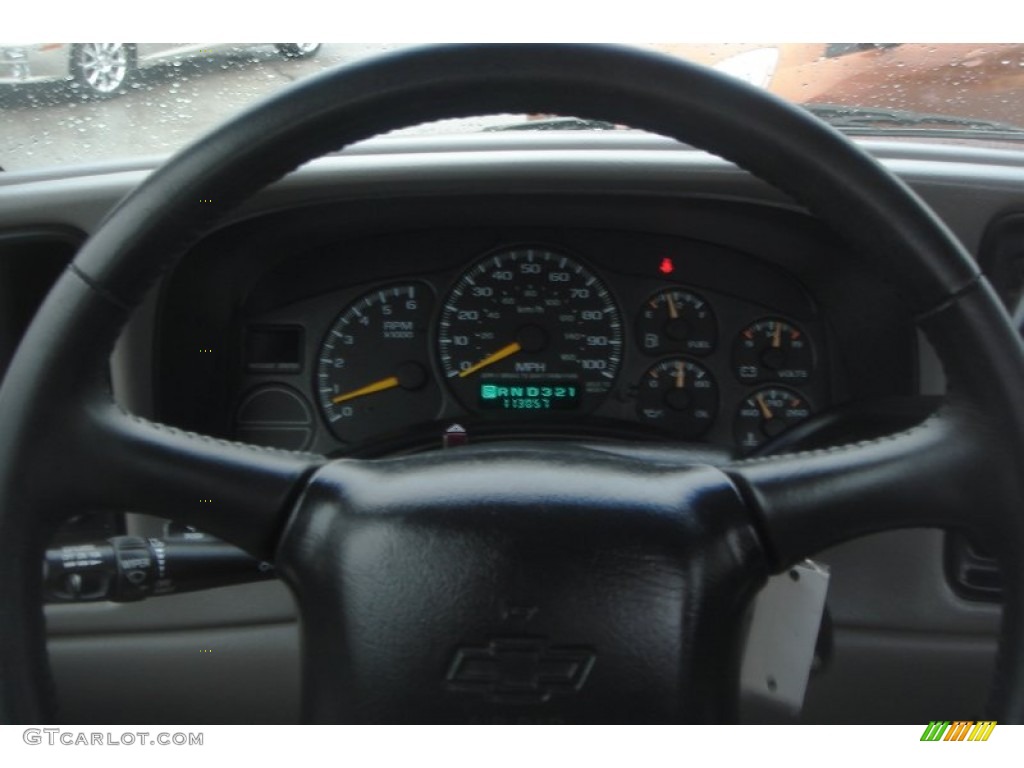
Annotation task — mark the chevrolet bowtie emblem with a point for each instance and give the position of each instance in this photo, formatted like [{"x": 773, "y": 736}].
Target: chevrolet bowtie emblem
[{"x": 519, "y": 670}]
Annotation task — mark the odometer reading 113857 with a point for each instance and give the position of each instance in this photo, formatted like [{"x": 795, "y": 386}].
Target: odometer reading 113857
[{"x": 529, "y": 329}]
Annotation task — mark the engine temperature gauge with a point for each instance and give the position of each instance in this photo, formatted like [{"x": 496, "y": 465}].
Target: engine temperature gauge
[
  {"x": 773, "y": 350},
  {"x": 767, "y": 413},
  {"x": 679, "y": 396}
]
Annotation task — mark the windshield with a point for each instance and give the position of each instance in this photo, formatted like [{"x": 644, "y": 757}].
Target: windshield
[{"x": 75, "y": 103}]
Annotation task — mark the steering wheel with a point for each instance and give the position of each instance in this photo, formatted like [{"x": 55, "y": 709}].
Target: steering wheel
[{"x": 537, "y": 582}]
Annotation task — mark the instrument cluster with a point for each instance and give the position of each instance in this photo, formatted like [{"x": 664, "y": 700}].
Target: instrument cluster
[{"x": 539, "y": 339}]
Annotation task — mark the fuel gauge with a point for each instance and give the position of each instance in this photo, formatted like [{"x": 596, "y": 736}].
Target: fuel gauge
[
  {"x": 676, "y": 320},
  {"x": 773, "y": 350}
]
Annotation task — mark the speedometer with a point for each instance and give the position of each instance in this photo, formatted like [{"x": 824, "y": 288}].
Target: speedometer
[{"x": 530, "y": 329}]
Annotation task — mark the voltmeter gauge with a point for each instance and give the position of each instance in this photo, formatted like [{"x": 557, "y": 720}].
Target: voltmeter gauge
[
  {"x": 373, "y": 371},
  {"x": 678, "y": 396},
  {"x": 773, "y": 350},
  {"x": 768, "y": 413},
  {"x": 676, "y": 320}
]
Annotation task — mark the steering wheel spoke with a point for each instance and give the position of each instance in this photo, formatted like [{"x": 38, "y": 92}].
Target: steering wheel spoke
[
  {"x": 238, "y": 492},
  {"x": 807, "y": 501}
]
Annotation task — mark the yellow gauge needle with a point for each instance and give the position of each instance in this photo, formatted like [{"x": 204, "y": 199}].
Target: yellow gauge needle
[
  {"x": 378, "y": 386},
  {"x": 673, "y": 311},
  {"x": 680, "y": 376},
  {"x": 777, "y": 336},
  {"x": 501, "y": 354},
  {"x": 765, "y": 410}
]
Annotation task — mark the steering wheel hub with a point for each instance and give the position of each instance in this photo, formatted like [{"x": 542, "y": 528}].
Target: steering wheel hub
[{"x": 499, "y": 584}]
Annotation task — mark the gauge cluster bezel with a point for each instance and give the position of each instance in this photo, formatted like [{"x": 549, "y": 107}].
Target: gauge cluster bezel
[
  {"x": 628, "y": 264},
  {"x": 301, "y": 267}
]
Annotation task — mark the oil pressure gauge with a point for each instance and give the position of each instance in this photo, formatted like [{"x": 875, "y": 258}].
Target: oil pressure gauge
[
  {"x": 773, "y": 350},
  {"x": 679, "y": 396}
]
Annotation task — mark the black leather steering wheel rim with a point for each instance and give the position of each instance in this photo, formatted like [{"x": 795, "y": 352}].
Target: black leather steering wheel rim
[{"x": 71, "y": 449}]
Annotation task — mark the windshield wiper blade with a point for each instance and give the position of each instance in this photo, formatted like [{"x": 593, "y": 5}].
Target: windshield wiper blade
[
  {"x": 557, "y": 124},
  {"x": 844, "y": 117},
  {"x": 849, "y": 119}
]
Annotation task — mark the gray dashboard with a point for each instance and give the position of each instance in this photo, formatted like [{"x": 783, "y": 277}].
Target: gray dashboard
[{"x": 905, "y": 644}]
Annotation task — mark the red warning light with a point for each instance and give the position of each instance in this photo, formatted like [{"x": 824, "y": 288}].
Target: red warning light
[{"x": 667, "y": 267}]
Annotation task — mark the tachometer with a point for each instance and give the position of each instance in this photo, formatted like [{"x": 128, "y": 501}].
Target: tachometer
[
  {"x": 373, "y": 375},
  {"x": 529, "y": 329}
]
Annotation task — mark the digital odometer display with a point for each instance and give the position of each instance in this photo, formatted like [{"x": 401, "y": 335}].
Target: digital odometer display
[
  {"x": 529, "y": 396},
  {"x": 527, "y": 320}
]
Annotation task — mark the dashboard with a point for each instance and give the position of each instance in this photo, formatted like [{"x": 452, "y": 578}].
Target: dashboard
[{"x": 616, "y": 290}]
